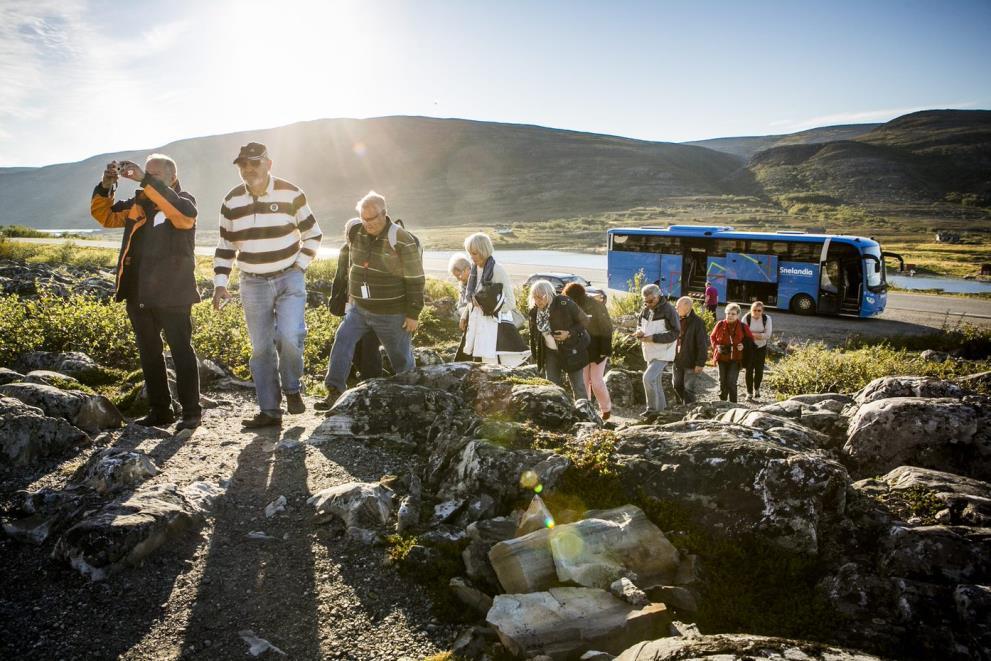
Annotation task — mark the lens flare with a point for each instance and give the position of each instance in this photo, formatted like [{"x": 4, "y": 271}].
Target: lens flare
[
  {"x": 529, "y": 480},
  {"x": 538, "y": 488},
  {"x": 549, "y": 522},
  {"x": 567, "y": 544},
  {"x": 359, "y": 149}
]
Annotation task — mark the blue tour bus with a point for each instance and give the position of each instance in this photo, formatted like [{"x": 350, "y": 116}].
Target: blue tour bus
[{"x": 804, "y": 273}]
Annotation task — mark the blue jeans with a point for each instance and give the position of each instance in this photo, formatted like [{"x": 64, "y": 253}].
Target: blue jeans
[
  {"x": 357, "y": 322},
  {"x": 274, "y": 311},
  {"x": 653, "y": 387},
  {"x": 555, "y": 374}
]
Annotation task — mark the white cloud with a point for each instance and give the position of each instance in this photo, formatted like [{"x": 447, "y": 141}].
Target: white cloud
[{"x": 860, "y": 117}]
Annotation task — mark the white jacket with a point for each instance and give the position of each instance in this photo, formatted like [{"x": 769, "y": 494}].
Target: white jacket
[{"x": 653, "y": 350}]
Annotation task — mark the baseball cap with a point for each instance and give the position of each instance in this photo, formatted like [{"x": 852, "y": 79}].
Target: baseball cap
[{"x": 253, "y": 151}]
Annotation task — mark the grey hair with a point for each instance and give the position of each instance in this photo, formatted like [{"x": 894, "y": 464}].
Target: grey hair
[
  {"x": 163, "y": 158},
  {"x": 371, "y": 197},
  {"x": 481, "y": 243},
  {"x": 542, "y": 286},
  {"x": 733, "y": 307},
  {"x": 459, "y": 262},
  {"x": 650, "y": 289},
  {"x": 685, "y": 299}
]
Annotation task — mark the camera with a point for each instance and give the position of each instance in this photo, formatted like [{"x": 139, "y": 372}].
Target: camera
[{"x": 725, "y": 349}]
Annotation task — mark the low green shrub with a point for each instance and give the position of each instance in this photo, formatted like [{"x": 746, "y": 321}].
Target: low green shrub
[{"x": 816, "y": 368}]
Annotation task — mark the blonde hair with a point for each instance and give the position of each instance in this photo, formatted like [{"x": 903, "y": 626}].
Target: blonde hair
[
  {"x": 481, "y": 243},
  {"x": 753, "y": 306},
  {"x": 542, "y": 286},
  {"x": 733, "y": 307},
  {"x": 167, "y": 160},
  {"x": 371, "y": 197},
  {"x": 459, "y": 262}
]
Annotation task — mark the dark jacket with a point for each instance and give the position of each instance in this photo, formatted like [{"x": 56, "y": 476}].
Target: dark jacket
[
  {"x": 693, "y": 343},
  {"x": 564, "y": 315},
  {"x": 728, "y": 334},
  {"x": 394, "y": 275},
  {"x": 600, "y": 328},
  {"x": 157, "y": 261}
]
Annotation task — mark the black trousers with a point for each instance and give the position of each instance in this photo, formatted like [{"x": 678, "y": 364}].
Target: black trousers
[
  {"x": 755, "y": 369},
  {"x": 148, "y": 325},
  {"x": 367, "y": 357},
  {"x": 729, "y": 374}
]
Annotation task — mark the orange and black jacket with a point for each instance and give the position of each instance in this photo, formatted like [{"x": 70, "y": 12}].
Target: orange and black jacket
[{"x": 157, "y": 261}]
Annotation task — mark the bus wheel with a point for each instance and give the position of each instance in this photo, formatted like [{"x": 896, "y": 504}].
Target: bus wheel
[{"x": 803, "y": 304}]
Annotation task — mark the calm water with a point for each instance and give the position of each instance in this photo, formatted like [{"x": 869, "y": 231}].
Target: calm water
[{"x": 952, "y": 285}]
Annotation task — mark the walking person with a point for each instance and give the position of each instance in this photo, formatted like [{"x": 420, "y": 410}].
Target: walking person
[
  {"x": 155, "y": 275},
  {"x": 460, "y": 267},
  {"x": 266, "y": 226},
  {"x": 385, "y": 283},
  {"x": 558, "y": 337},
  {"x": 711, "y": 298},
  {"x": 692, "y": 351},
  {"x": 488, "y": 321},
  {"x": 657, "y": 330},
  {"x": 367, "y": 358},
  {"x": 761, "y": 328},
  {"x": 599, "y": 349},
  {"x": 727, "y": 350}
]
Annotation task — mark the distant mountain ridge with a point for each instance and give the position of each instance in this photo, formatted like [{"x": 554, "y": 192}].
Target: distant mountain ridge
[{"x": 442, "y": 172}]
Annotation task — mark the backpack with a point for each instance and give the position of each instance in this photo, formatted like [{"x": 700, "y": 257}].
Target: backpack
[
  {"x": 353, "y": 225},
  {"x": 766, "y": 317}
]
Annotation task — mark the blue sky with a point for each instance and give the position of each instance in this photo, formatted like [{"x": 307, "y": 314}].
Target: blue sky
[{"x": 86, "y": 77}]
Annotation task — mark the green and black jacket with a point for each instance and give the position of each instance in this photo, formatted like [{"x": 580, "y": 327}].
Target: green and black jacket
[{"x": 394, "y": 275}]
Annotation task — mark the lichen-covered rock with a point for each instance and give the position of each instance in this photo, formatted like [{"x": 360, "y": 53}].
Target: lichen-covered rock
[
  {"x": 547, "y": 406},
  {"x": 90, "y": 413},
  {"x": 27, "y": 434},
  {"x": 365, "y": 508},
  {"x": 709, "y": 410},
  {"x": 942, "y": 434},
  {"x": 729, "y": 480},
  {"x": 210, "y": 372},
  {"x": 129, "y": 529},
  {"x": 739, "y": 647},
  {"x": 9, "y": 376},
  {"x": 114, "y": 469},
  {"x": 72, "y": 363},
  {"x": 425, "y": 357},
  {"x": 793, "y": 435},
  {"x": 625, "y": 388},
  {"x": 910, "y": 492},
  {"x": 485, "y": 389},
  {"x": 908, "y": 386},
  {"x": 938, "y": 554},
  {"x": 55, "y": 379},
  {"x": 563, "y": 623}
]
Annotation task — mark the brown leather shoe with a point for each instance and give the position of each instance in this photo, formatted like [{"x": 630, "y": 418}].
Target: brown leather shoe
[
  {"x": 261, "y": 420},
  {"x": 295, "y": 403}
]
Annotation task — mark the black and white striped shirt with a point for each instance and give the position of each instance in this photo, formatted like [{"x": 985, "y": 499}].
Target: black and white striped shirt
[{"x": 265, "y": 234}]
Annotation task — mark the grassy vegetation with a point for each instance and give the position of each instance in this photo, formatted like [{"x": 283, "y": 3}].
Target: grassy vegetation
[{"x": 20, "y": 231}]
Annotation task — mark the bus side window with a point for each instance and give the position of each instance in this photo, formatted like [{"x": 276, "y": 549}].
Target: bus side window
[
  {"x": 758, "y": 247},
  {"x": 780, "y": 249},
  {"x": 805, "y": 252},
  {"x": 724, "y": 246}
]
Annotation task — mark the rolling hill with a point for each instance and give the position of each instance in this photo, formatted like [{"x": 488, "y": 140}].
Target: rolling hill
[
  {"x": 745, "y": 147},
  {"x": 432, "y": 171}
]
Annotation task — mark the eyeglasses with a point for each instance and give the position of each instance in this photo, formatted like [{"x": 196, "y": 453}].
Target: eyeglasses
[
  {"x": 368, "y": 220},
  {"x": 248, "y": 165}
]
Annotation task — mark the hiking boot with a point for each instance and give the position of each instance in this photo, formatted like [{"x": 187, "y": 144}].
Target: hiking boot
[
  {"x": 328, "y": 402},
  {"x": 295, "y": 403},
  {"x": 191, "y": 422},
  {"x": 261, "y": 420},
  {"x": 606, "y": 415},
  {"x": 154, "y": 419},
  {"x": 648, "y": 416}
]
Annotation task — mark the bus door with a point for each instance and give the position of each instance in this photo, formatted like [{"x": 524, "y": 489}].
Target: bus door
[
  {"x": 694, "y": 262},
  {"x": 841, "y": 285}
]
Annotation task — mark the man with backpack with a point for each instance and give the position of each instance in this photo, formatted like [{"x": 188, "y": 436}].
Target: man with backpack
[{"x": 385, "y": 283}]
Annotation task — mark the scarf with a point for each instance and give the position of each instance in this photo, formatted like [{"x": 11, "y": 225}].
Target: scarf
[
  {"x": 473, "y": 281},
  {"x": 544, "y": 320}
]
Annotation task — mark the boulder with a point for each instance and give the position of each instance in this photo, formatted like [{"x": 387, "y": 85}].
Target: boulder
[
  {"x": 73, "y": 363},
  {"x": 27, "y": 434},
  {"x": 950, "y": 499},
  {"x": 114, "y": 469},
  {"x": 938, "y": 554},
  {"x": 729, "y": 480},
  {"x": 210, "y": 372},
  {"x": 788, "y": 432},
  {"x": 564, "y": 623},
  {"x": 942, "y": 434},
  {"x": 483, "y": 535},
  {"x": 547, "y": 406},
  {"x": 709, "y": 410},
  {"x": 485, "y": 389},
  {"x": 980, "y": 382},
  {"x": 738, "y": 647},
  {"x": 365, "y": 508},
  {"x": 625, "y": 589},
  {"x": 129, "y": 529},
  {"x": 625, "y": 388},
  {"x": 908, "y": 386},
  {"x": 88, "y": 412},
  {"x": 470, "y": 596},
  {"x": 9, "y": 376},
  {"x": 593, "y": 552},
  {"x": 424, "y": 357},
  {"x": 55, "y": 379}
]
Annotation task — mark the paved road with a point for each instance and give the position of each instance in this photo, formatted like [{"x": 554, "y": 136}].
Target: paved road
[{"x": 906, "y": 314}]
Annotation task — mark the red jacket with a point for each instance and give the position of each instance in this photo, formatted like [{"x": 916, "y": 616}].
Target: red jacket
[{"x": 725, "y": 333}]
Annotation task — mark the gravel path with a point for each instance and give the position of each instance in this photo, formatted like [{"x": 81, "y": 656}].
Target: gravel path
[{"x": 307, "y": 589}]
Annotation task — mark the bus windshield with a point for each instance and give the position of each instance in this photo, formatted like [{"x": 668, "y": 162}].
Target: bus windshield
[{"x": 874, "y": 268}]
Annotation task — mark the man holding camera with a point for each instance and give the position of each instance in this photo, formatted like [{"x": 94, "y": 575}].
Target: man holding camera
[
  {"x": 155, "y": 276},
  {"x": 266, "y": 224}
]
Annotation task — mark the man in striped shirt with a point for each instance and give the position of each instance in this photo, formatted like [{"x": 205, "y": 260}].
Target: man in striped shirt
[
  {"x": 267, "y": 226},
  {"x": 385, "y": 283}
]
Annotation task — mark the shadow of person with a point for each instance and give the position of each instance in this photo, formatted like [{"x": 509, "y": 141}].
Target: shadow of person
[{"x": 262, "y": 582}]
